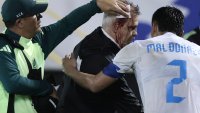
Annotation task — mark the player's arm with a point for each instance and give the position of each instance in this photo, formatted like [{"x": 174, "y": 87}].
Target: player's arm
[
  {"x": 94, "y": 83},
  {"x": 122, "y": 63}
]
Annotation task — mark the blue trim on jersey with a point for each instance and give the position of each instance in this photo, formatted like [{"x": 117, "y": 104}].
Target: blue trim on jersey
[{"x": 111, "y": 70}]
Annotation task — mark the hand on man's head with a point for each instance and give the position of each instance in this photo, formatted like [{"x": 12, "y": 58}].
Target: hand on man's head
[{"x": 114, "y": 7}]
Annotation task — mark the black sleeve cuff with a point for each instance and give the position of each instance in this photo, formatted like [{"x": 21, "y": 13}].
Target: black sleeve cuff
[{"x": 96, "y": 7}]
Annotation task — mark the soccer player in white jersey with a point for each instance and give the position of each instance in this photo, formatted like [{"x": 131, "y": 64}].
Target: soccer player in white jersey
[{"x": 166, "y": 67}]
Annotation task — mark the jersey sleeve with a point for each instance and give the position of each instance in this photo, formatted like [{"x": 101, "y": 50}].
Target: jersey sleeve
[
  {"x": 13, "y": 82},
  {"x": 123, "y": 61}
]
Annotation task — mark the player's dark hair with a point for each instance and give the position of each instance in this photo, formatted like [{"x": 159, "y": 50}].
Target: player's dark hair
[{"x": 169, "y": 19}]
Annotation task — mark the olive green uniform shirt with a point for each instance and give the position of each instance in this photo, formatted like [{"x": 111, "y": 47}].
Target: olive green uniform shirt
[{"x": 13, "y": 66}]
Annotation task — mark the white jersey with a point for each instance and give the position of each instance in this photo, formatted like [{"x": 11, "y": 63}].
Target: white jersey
[{"x": 167, "y": 69}]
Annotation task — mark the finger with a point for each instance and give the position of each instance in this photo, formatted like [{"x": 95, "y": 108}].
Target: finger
[
  {"x": 66, "y": 57},
  {"x": 69, "y": 57},
  {"x": 72, "y": 55},
  {"x": 63, "y": 61},
  {"x": 120, "y": 11},
  {"x": 123, "y": 6}
]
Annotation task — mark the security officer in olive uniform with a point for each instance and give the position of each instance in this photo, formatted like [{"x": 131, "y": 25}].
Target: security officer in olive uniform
[{"x": 24, "y": 46}]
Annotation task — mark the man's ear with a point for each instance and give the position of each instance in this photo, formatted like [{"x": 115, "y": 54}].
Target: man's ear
[
  {"x": 154, "y": 29},
  {"x": 19, "y": 23},
  {"x": 181, "y": 34},
  {"x": 116, "y": 26}
]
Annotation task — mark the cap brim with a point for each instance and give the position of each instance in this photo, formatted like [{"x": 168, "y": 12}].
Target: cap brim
[{"x": 38, "y": 8}]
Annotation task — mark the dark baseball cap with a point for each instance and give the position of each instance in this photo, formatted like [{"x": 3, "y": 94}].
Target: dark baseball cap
[{"x": 14, "y": 9}]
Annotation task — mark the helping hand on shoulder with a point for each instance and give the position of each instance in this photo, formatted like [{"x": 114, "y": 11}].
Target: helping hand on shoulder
[{"x": 69, "y": 64}]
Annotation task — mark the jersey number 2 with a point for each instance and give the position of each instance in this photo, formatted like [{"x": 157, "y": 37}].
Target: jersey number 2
[{"x": 175, "y": 81}]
